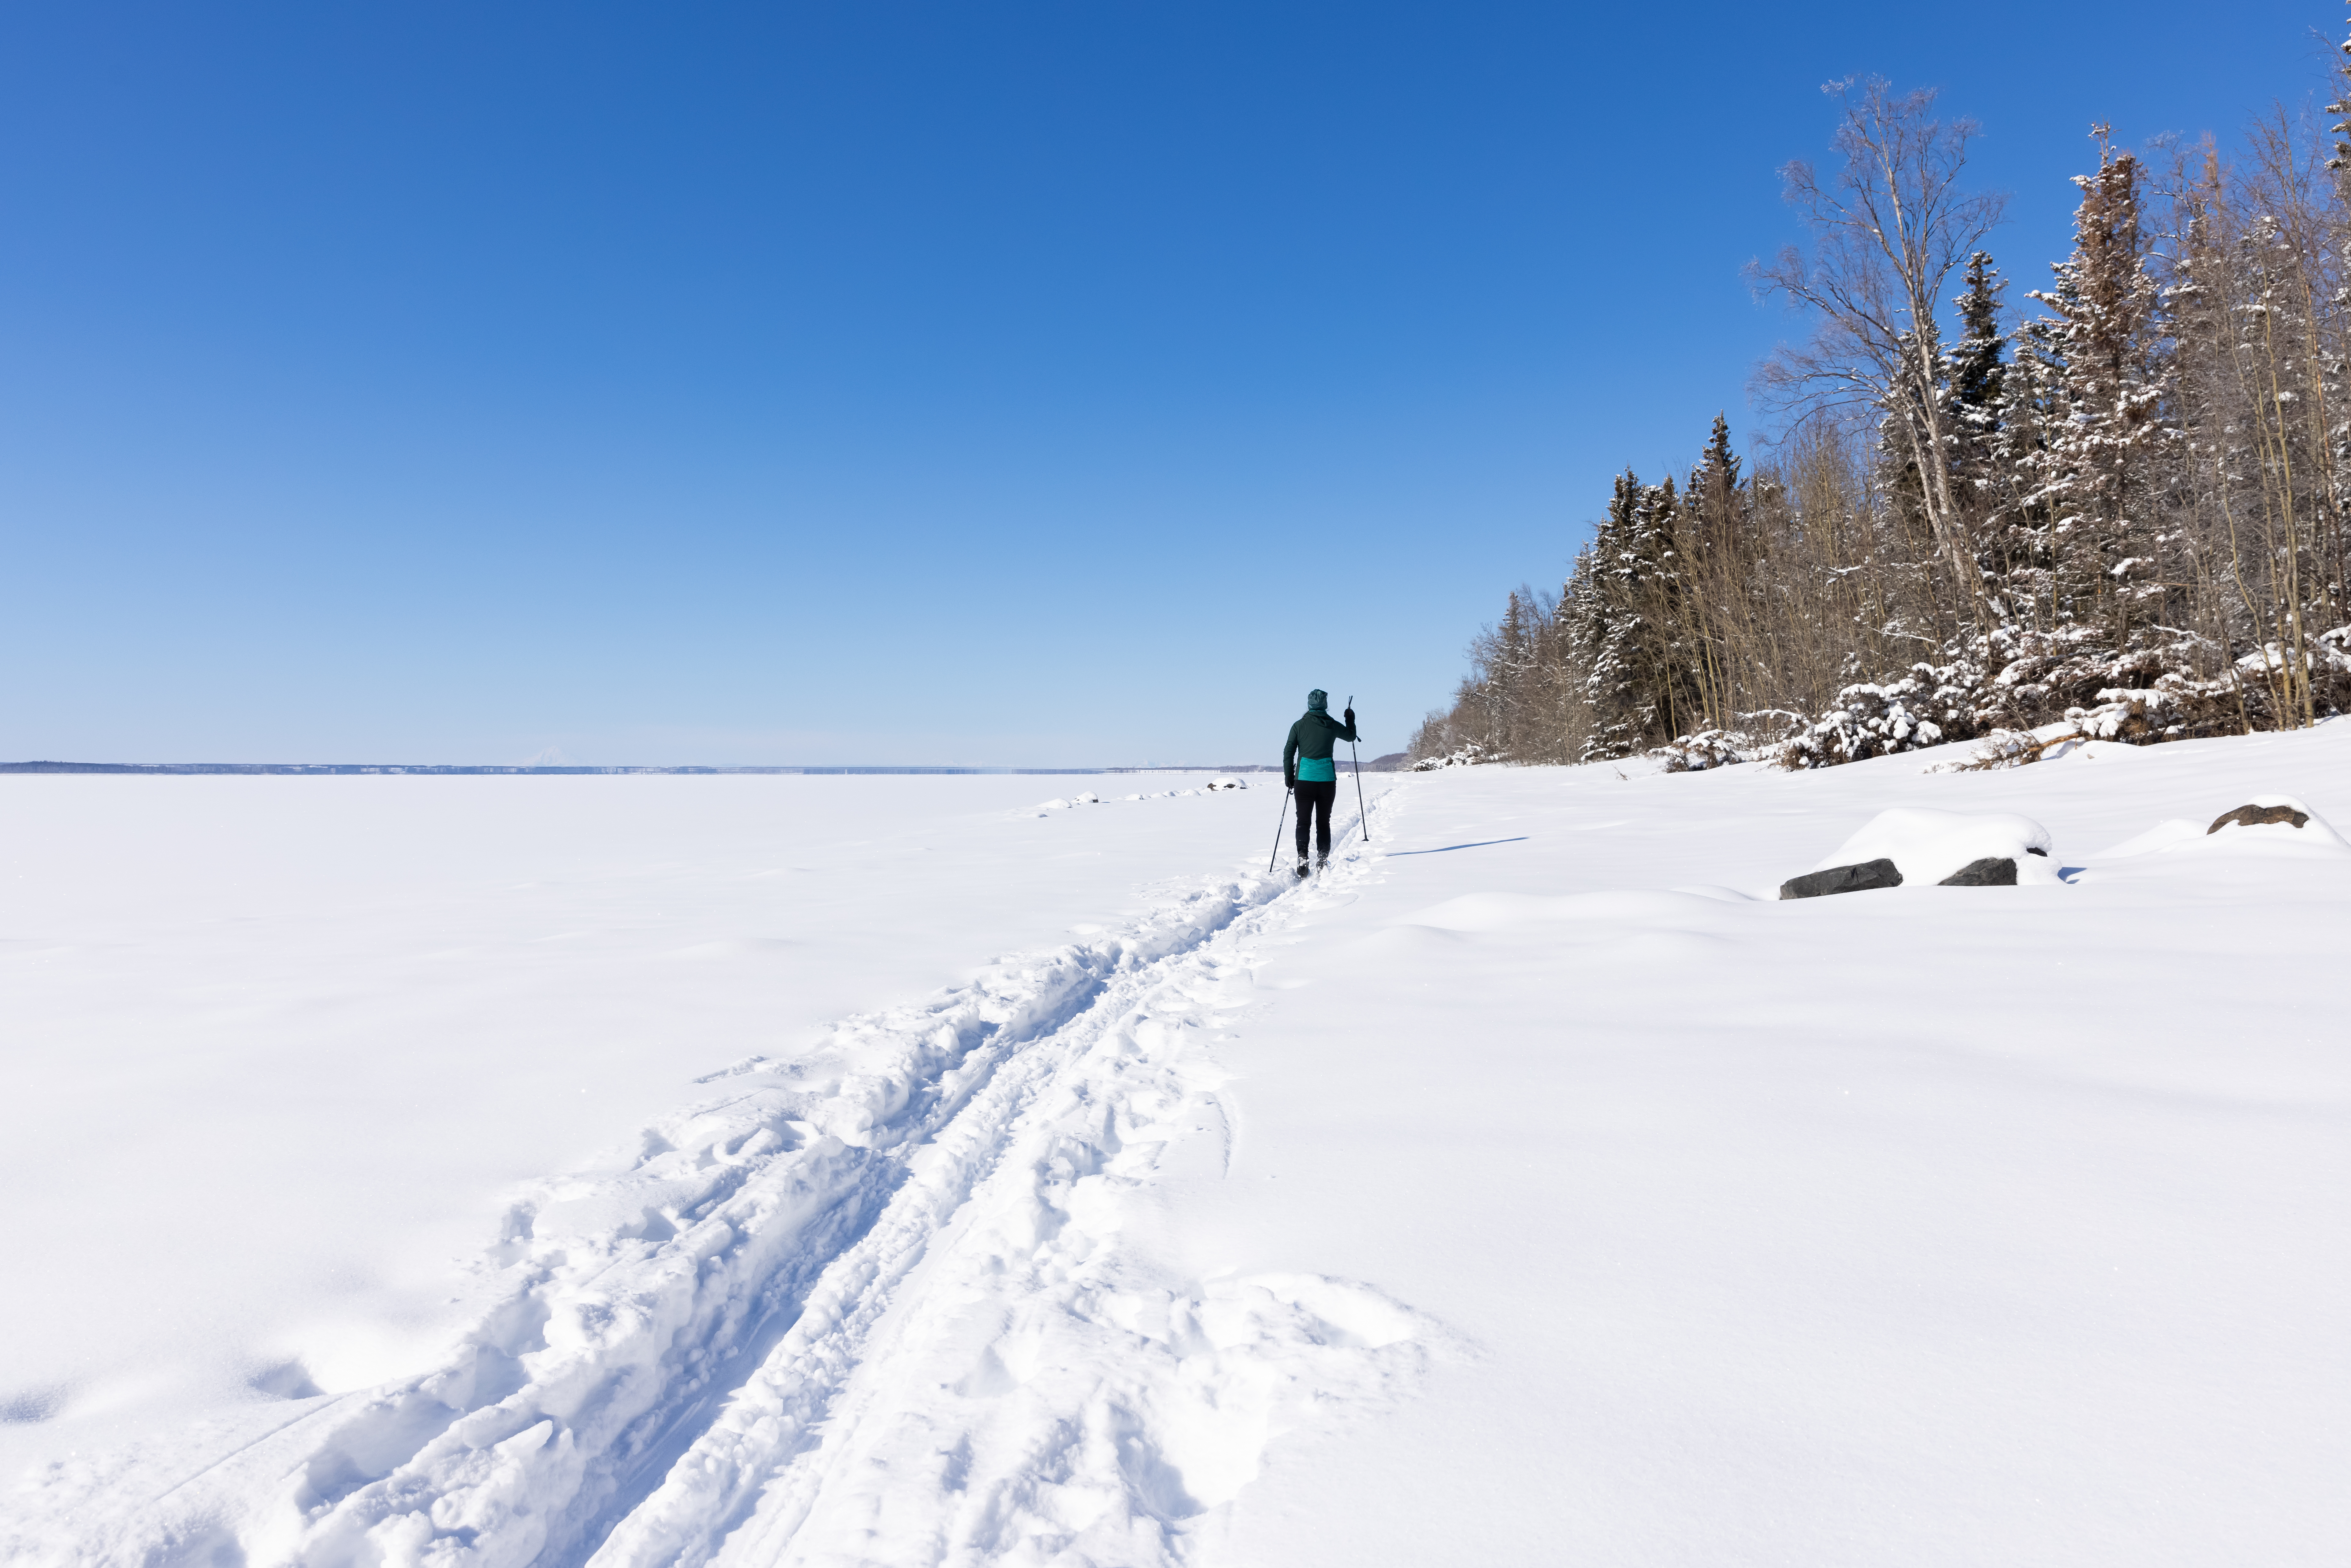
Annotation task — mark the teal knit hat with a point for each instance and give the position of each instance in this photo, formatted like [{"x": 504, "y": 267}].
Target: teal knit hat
[{"x": 1318, "y": 701}]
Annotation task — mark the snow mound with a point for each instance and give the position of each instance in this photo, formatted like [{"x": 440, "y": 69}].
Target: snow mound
[
  {"x": 1226, "y": 782},
  {"x": 2155, "y": 840},
  {"x": 1060, "y": 804},
  {"x": 1502, "y": 911},
  {"x": 1929, "y": 845},
  {"x": 2099, "y": 751}
]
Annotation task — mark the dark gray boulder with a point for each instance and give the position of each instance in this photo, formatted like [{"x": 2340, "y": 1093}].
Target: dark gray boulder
[
  {"x": 1993, "y": 871},
  {"x": 1862, "y": 878},
  {"x": 2258, "y": 817}
]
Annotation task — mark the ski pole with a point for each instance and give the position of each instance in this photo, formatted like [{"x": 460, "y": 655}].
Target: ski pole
[
  {"x": 1362, "y": 812},
  {"x": 1280, "y": 817}
]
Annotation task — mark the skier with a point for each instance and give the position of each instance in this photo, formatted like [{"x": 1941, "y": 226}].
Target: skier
[{"x": 1310, "y": 775}]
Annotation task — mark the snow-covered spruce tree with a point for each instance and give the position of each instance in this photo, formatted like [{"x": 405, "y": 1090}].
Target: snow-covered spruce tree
[
  {"x": 1976, "y": 370},
  {"x": 1652, "y": 581},
  {"x": 1609, "y": 635},
  {"x": 1976, "y": 389},
  {"x": 1596, "y": 634},
  {"x": 2105, "y": 470},
  {"x": 2020, "y": 536},
  {"x": 2102, "y": 589},
  {"x": 1712, "y": 544}
]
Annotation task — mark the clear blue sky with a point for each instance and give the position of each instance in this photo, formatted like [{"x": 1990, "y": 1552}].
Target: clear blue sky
[{"x": 1043, "y": 384}]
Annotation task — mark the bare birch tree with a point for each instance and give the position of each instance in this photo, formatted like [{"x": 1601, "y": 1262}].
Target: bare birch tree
[{"x": 1889, "y": 227}]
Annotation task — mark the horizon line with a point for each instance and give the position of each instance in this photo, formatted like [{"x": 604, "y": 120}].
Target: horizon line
[{"x": 432, "y": 768}]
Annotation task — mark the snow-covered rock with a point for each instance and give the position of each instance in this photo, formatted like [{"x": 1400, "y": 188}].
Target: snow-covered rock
[
  {"x": 2282, "y": 813},
  {"x": 1930, "y": 845},
  {"x": 1865, "y": 877},
  {"x": 1225, "y": 782},
  {"x": 1993, "y": 871}
]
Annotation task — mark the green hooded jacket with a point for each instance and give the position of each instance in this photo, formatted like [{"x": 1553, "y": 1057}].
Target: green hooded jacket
[{"x": 1307, "y": 754}]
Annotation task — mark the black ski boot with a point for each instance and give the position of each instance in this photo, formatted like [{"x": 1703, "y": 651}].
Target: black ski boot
[{"x": 1303, "y": 871}]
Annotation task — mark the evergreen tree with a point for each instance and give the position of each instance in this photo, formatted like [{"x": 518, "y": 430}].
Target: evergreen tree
[
  {"x": 1713, "y": 545},
  {"x": 1602, "y": 625},
  {"x": 1975, "y": 372},
  {"x": 2022, "y": 530},
  {"x": 1651, "y": 583},
  {"x": 2100, "y": 469},
  {"x": 1976, "y": 389},
  {"x": 1716, "y": 475}
]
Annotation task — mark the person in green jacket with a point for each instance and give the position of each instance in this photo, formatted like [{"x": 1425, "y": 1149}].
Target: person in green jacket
[{"x": 1310, "y": 774}]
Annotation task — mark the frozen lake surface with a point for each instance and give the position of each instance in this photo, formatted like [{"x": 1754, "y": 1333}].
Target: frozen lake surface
[{"x": 898, "y": 1170}]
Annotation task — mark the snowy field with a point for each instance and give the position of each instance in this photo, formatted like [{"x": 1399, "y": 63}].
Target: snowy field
[{"x": 782, "y": 1170}]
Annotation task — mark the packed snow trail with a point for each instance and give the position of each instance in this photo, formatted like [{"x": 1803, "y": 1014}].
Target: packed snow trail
[
  {"x": 671, "y": 1336},
  {"x": 1023, "y": 1301}
]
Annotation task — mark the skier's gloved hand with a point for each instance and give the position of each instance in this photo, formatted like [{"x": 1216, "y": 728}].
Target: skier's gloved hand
[{"x": 1351, "y": 718}]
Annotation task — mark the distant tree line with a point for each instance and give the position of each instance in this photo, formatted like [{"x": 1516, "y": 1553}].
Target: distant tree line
[{"x": 2125, "y": 513}]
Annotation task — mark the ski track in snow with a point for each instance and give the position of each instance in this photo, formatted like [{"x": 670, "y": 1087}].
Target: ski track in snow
[{"x": 867, "y": 1306}]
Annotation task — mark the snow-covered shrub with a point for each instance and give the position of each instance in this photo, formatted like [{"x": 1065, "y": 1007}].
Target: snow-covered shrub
[
  {"x": 1722, "y": 748},
  {"x": 2139, "y": 716},
  {"x": 1467, "y": 755},
  {"x": 1225, "y": 782},
  {"x": 2042, "y": 677},
  {"x": 1707, "y": 749},
  {"x": 2128, "y": 714},
  {"x": 2005, "y": 748},
  {"x": 1924, "y": 707}
]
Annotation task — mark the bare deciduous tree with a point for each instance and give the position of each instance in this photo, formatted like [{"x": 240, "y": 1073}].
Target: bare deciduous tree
[{"x": 1889, "y": 227}]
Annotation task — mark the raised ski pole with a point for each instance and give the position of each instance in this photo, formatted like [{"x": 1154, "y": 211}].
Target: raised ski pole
[
  {"x": 1280, "y": 817},
  {"x": 1362, "y": 812}
]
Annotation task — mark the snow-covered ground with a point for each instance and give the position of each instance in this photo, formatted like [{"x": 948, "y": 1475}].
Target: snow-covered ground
[{"x": 1058, "y": 1188}]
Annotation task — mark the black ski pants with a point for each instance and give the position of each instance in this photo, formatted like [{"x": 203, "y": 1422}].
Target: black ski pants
[{"x": 1315, "y": 800}]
